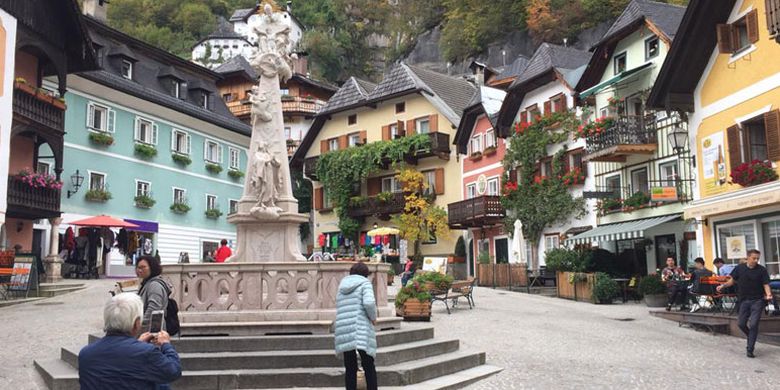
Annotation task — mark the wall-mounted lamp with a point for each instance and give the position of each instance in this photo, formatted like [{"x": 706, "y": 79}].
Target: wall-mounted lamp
[
  {"x": 375, "y": 226},
  {"x": 678, "y": 140},
  {"x": 75, "y": 181}
]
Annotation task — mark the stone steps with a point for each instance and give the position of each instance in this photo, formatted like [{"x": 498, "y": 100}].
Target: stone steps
[
  {"x": 405, "y": 357},
  {"x": 48, "y": 290},
  {"x": 250, "y": 328},
  {"x": 769, "y": 338}
]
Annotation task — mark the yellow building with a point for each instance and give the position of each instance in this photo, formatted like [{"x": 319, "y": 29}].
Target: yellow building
[
  {"x": 408, "y": 101},
  {"x": 723, "y": 70}
]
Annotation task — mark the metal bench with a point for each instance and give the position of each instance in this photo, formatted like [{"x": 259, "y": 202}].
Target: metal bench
[{"x": 458, "y": 289}]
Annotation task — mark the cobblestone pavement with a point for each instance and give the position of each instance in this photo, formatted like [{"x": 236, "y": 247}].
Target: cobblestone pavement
[
  {"x": 542, "y": 343},
  {"x": 550, "y": 343},
  {"x": 37, "y": 330}
]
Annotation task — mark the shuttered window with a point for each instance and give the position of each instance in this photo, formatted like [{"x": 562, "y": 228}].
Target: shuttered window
[
  {"x": 738, "y": 36},
  {"x": 756, "y": 139}
]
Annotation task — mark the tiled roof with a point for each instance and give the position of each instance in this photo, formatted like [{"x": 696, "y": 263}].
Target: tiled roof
[
  {"x": 666, "y": 17},
  {"x": 514, "y": 69},
  {"x": 456, "y": 92},
  {"x": 122, "y": 50},
  {"x": 486, "y": 100},
  {"x": 237, "y": 64},
  {"x": 224, "y": 31},
  {"x": 353, "y": 92},
  {"x": 241, "y": 14},
  {"x": 548, "y": 57}
]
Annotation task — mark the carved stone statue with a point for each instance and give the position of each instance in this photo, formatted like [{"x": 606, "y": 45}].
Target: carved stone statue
[{"x": 267, "y": 218}]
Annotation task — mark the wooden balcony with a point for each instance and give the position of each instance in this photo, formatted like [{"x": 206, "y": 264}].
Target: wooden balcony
[
  {"x": 476, "y": 212},
  {"x": 296, "y": 105},
  {"x": 629, "y": 135},
  {"x": 38, "y": 111},
  {"x": 32, "y": 203},
  {"x": 242, "y": 109},
  {"x": 310, "y": 167},
  {"x": 373, "y": 206}
]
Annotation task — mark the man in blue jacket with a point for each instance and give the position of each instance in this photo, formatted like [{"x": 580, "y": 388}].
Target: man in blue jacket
[{"x": 120, "y": 360}]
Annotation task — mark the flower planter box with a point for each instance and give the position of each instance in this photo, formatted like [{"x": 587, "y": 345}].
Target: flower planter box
[
  {"x": 489, "y": 151},
  {"x": 415, "y": 310},
  {"x": 579, "y": 290},
  {"x": 475, "y": 156}
]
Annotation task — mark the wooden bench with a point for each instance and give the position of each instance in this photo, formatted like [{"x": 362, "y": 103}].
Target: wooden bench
[
  {"x": 458, "y": 289},
  {"x": 131, "y": 285}
]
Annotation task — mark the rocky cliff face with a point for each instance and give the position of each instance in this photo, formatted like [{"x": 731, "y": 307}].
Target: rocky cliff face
[{"x": 427, "y": 52}]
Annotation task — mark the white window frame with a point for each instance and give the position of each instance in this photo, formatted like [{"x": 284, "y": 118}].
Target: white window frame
[
  {"x": 490, "y": 138},
  {"x": 48, "y": 167},
  {"x": 183, "y": 194},
  {"x": 354, "y": 139},
  {"x": 394, "y": 185},
  {"x": 418, "y": 125},
  {"x": 234, "y": 158},
  {"x": 104, "y": 176},
  {"x": 129, "y": 74},
  {"x": 204, "y": 100},
  {"x": 107, "y": 119},
  {"x": 647, "y": 47},
  {"x": 187, "y": 142},
  {"x": 394, "y": 132},
  {"x": 471, "y": 190},
  {"x": 429, "y": 177},
  {"x": 555, "y": 237},
  {"x": 476, "y": 143},
  {"x": 496, "y": 182},
  {"x": 176, "y": 88},
  {"x": 214, "y": 200},
  {"x": 151, "y": 135},
  {"x": 333, "y": 144},
  {"x": 669, "y": 182},
  {"x": 231, "y": 209},
  {"x": 148, "y": 187},
  {"x": 615, "y": 58},
  {"x": 211, "y": 159}
]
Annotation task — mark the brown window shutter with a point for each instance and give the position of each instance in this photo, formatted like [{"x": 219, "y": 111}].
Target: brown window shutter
[
  {"x": 433, "y": 122},
  {"x": 343, "y": 142},
  {"x": 772, "y": 125},
  {"x": 564, "y": 103},
  {"x": 374, "y": 186},
  {"x": 318, "y": 198},
  {"x": 547, "y": 108},
  {"x": 584, "y": 168},
  {"x": 513, "y": 175},
  {"x": 400, "y": 127},
  {"x": 725, "y": 39},
  {"x": 734, "y": 147},
  {"x": 324, "y": 146},
  {"x": 410, "y": 128},
  {"x": 565, "y": 162},
  {"x": 752, "y": 25},
  {"x": 439, "y": 181},
  {"x": 363, "y": 136},
  {"x": 386, "y": 133}
]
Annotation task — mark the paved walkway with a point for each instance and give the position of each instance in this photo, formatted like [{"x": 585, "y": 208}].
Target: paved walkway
[{"x": 542, "y": 343}]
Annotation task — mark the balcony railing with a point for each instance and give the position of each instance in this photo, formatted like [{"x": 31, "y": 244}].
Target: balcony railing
[
  {"x": 476, "y": 212},
  {"x": 35, "y": 109},
  {"x": 629, "y": 134},
  {"x": 240, "y": 108},
  {"x": 373, "y": 206},
  {"x": 301, "y": 105},
  {"x": 310, "y": 167},
  {"x": 655, "y": 193},
  {"x": 29, "y": 202},
  {"x": 440, "y": 145}
]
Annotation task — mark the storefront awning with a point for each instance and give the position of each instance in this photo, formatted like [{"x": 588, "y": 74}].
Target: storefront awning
[
  {"x": 621, "y": 230},
  {"x": 614, "y": 80},
  {"x": 143, "y": 226}
]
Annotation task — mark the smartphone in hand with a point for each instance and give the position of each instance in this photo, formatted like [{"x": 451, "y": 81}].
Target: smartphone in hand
[{"x": 155, "y": 322}]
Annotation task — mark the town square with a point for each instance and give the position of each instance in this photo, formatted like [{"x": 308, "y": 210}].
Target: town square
[{"x": 363, "y": 194}]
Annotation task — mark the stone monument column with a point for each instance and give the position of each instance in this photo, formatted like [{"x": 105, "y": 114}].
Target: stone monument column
[
  {"x": 267, "y": 218},
  {"x": 52, "y": 263}
]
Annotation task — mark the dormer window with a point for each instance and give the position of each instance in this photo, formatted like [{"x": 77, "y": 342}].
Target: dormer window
[
  {"x": 204, "y": 100},
  {"x": 127, "y": 69},
  {"x": 175, "y": 88}
]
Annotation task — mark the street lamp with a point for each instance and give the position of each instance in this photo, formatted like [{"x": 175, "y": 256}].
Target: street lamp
[
  {"x": 678, "y": 139},
  {"x": 75, "y": 181}
]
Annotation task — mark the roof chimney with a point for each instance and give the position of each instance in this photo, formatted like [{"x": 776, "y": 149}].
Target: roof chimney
[
  {"x": 289, "y": 7},
  {"x": 97, "y": 9}
]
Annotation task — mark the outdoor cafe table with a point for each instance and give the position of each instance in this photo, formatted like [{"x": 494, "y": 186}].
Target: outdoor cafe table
[{"x": 623, "y": 282}]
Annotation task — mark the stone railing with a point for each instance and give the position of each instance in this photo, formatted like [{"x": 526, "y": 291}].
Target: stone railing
[{"x": 278, "y": 287}]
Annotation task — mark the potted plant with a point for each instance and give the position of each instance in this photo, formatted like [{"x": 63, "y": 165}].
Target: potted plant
[
  {"x": 38, "y": 180},
  {"x": 604, "y": 289},
  {"x": 235, "y": 174},
  {"x": 101, "y": 138},
  {"x": 390, "y": 276},
  {"x": 384, "y": 197},
  {"x": 145, "y": 151},
  {"x": 435, "y": 281},
  {"x": 638, "y": 200},
  {"x": 413, "y": 302},
  {"x": 484, "y": 257},
  {"x": 144, "y": 201},
  {"x": 753, "y": 173},
  {"x": 654, "y": 290},
  {"x": 213, "y": 213},
  {"x": 180, "y": 207},
  {"x": 459, "y": 255},
  {"x": 97, "y": 195},
  {"x": 182, "y": 159},
  {"x": 358, "y": 201},
  {"x": 213, "y": 168}
]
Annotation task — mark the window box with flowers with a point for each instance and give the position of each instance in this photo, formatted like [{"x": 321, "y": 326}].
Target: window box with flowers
[
  {"x": 608, "y": 205},
  {"x": 180, "y": 207},
  {"x": 182, "y": 159},
  {"x": 235, "y": 174},
  {"x": 144, "y": 201},
  {"x": 475, "y": 156},
  {"x": 573, "y": 177},
  {"x": 596, "y": 127},
  {"x": 489, "y": 151},
  {"x": 101, "y": 138},
  {"x": 213, "y": 213},
  {"x": 213, "y": 168},
  {"x": 639, "y": 200},
  {"x": 145, "y": 151},
  {"x": 753, "y": 173},
  {"x": 38, "y": 180},
  {"x": 97, "y": 195}
]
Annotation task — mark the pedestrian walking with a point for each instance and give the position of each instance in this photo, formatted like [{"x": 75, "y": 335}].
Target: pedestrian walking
[
  {"x": 223, "y": 253},
  {"x": 354, "y": 326},
  {"x": 154, "y": 290},
  {"x": 752, "y": 281}
]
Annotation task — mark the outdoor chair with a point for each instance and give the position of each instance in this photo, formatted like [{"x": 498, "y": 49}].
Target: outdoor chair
[{"x": 16, "y": 278}]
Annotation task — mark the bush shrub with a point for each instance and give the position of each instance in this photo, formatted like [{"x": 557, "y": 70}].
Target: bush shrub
[
  {"x": 440, "y": 281},
  {"x": 413, "y": 290},
  {"x": 235, "y": 174},
  {"x": 652, "y": 285},
  {"x": 181, "y": 159},
  {"x": 213, "y": 168},
  {"x": 563, "y": 260},
  {"x": 605, "y": 289},
  {"x": 145, "y": 151}
]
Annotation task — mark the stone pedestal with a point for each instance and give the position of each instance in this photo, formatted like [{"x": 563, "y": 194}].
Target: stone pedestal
[
  {"x": 53, "y": 266},
  {"x": 272, "y": 240}
]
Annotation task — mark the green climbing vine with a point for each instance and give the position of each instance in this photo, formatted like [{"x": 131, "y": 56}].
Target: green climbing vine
[
  {"x": 342, "y": 171},
  {"x": 539, "y": 201}
]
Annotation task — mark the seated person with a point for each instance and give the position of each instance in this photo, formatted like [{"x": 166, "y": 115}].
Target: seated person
[
  {"x": 123, "y": 359},
  {"x": 673, "y": 275},
  {"x": 699, "y": 272},
  {"x": 408, "y": 273}
]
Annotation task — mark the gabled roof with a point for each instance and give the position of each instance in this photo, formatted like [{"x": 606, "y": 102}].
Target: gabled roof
[
  {"x": 237, "y": 65},
  {"x": 487, "y": 101},
  {"x": 353, "y": 93},
  {"x": 688, "y": 57},
  {"x": 224, "y": 30},
  {"x": 304, "y": 79},
  {"x": 664, "y": 18},
  {"x": 512, "y": 70},
  {"x": 549, "y": 62},
  {"x": 243, "y": 14},
  {"x": 123, "y": 51},
  {"x": 171, "y": 72}
]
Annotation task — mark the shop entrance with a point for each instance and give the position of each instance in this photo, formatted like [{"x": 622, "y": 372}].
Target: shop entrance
[
  {"x": 502, "y": 250},
  {"x": 633, "y": 257}
]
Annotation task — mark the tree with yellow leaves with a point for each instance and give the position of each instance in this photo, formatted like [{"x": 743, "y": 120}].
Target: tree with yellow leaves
[{"x": 421, "y": 219}]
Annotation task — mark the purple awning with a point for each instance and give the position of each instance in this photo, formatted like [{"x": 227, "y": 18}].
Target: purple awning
[{"x": 143, "y": 226}]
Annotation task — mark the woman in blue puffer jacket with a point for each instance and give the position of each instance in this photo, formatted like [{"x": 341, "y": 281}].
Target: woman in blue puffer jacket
[{"x": 354, "y": 326}]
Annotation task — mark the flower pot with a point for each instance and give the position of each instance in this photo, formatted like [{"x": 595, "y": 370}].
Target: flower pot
[
  {"x": 414, "y": 309},
  {"x": 656, "y": 300}
]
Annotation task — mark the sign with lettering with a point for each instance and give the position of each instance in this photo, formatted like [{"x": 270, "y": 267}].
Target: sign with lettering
[{"x": 663, "y": 194}]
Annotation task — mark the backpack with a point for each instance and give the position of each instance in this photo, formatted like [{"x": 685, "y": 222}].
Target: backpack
[{"x": 171, "y": 313}]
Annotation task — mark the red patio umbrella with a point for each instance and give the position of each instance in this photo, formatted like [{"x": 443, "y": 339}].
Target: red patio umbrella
[{"x": 103, "y": 221}]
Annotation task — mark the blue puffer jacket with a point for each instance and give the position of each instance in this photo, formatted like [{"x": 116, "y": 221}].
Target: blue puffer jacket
[{"x": 355, "y": 309}]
